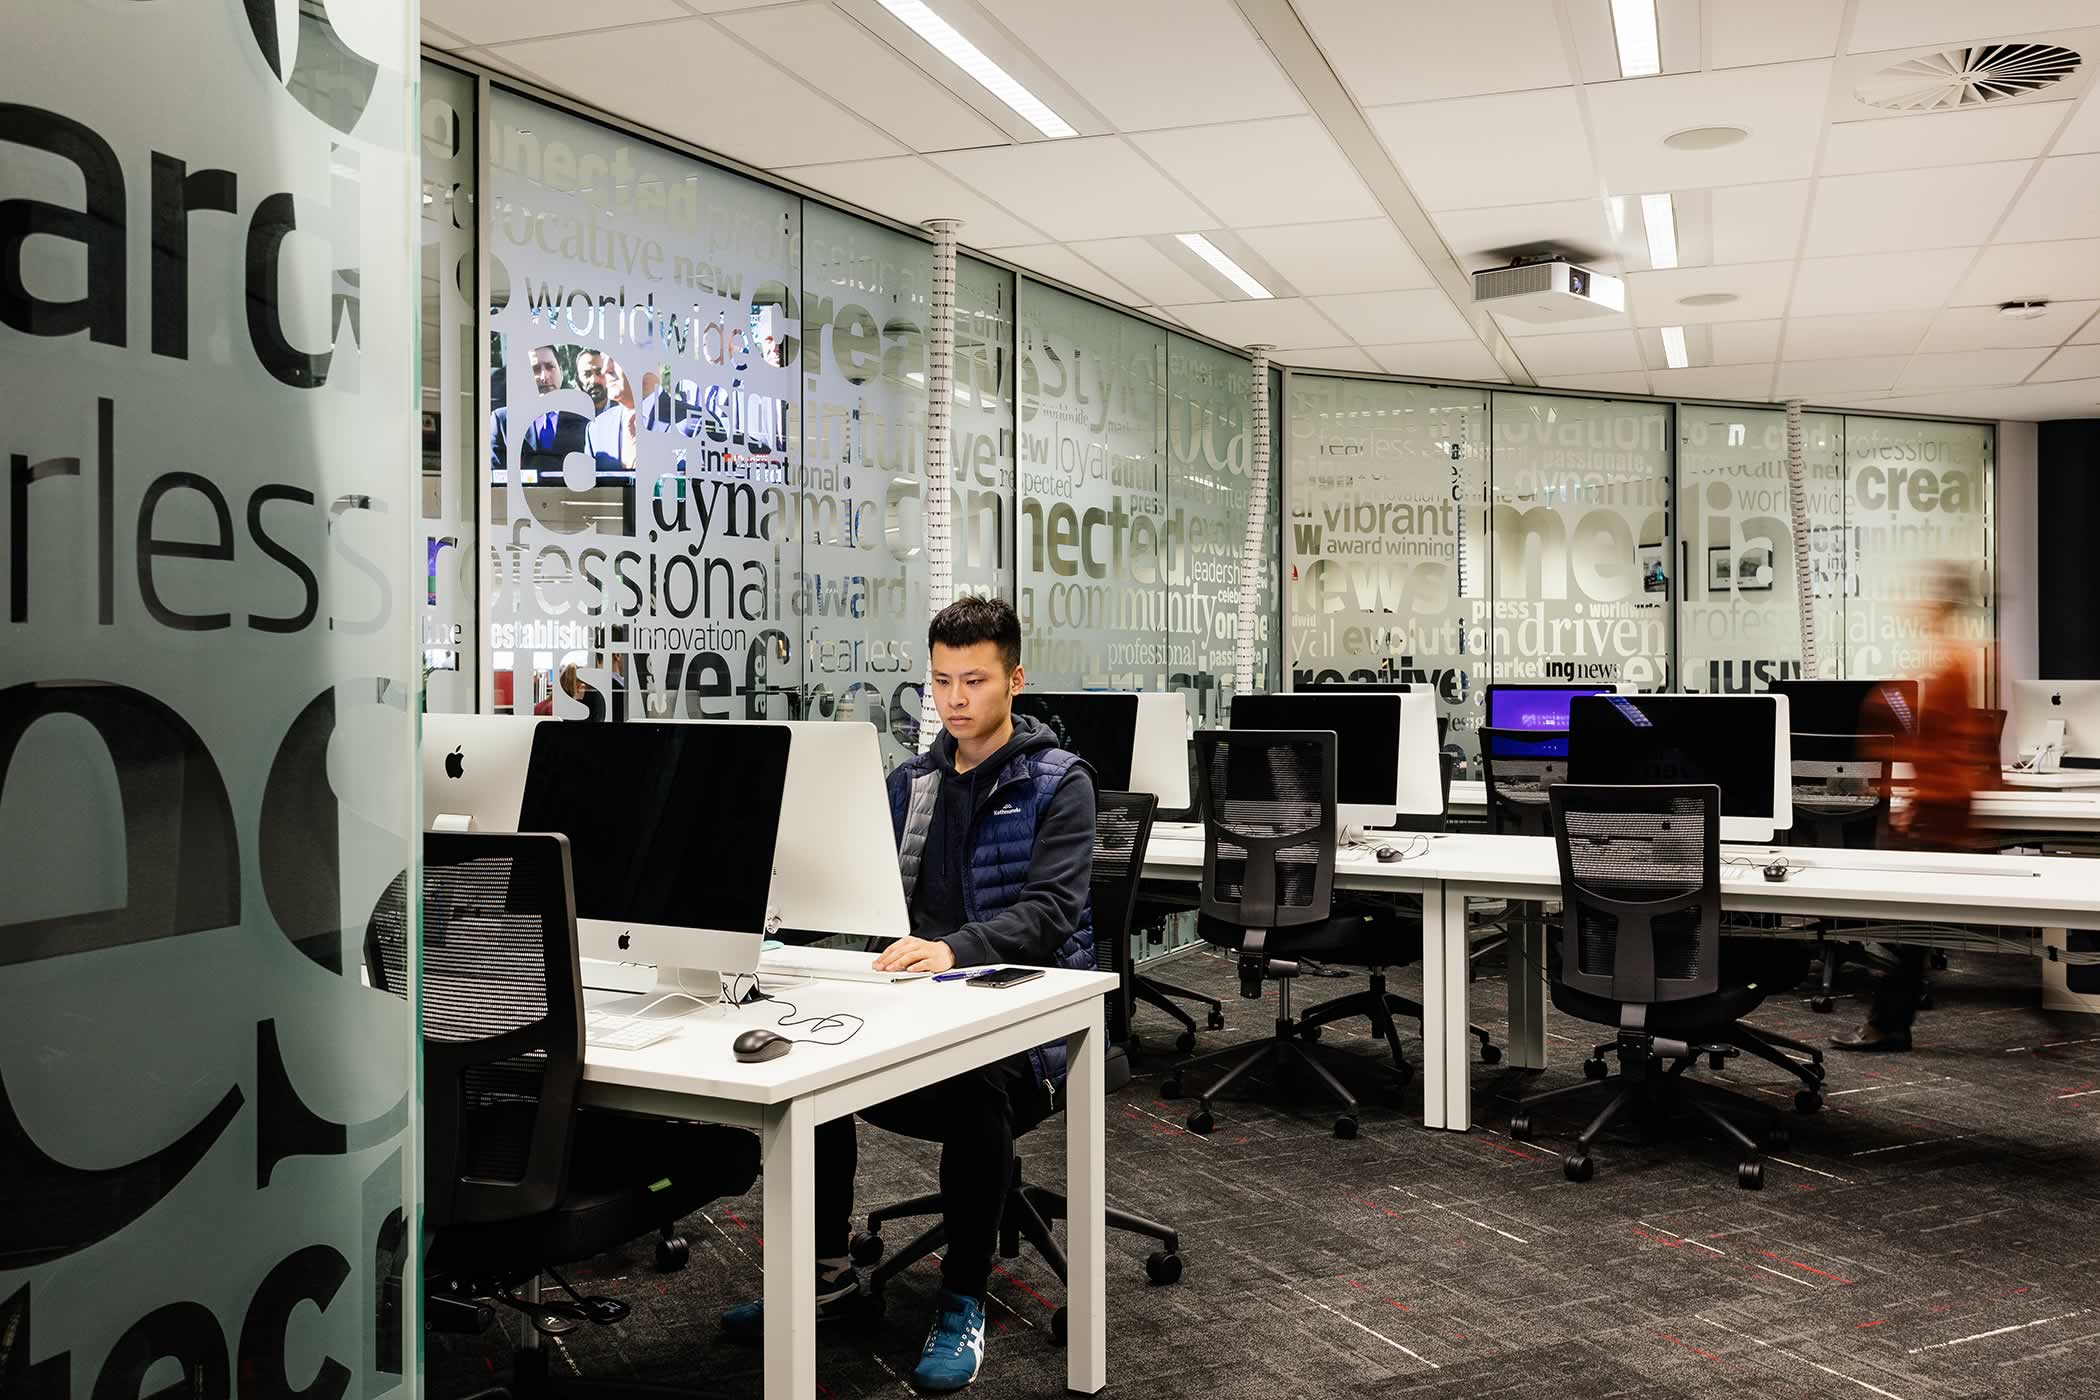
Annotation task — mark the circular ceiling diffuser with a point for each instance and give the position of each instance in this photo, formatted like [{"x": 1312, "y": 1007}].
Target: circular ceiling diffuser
[{"x": 1971, "y": 76}]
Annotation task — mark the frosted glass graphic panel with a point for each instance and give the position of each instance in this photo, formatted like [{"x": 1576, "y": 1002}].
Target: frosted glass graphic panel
[
  {"x": 1209, "y": 496},
  {"x": 1739, "y": 620},
  {"x": 1581, "y": 517},
  {"x": 1097, "y": 539},
  {"x": 982, "y": 433},
  {"x": 1385, "y": 538},
  {"x": 1920, "y": 498},
  {"x": 450, "y": 433}
]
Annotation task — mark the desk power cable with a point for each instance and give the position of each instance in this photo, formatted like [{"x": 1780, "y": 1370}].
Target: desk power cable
[
  {"x": 700, "y": 999},
  {"x": 825, "y": 1023}
]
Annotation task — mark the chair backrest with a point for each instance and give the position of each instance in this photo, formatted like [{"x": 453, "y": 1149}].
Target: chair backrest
[
  {"x": 1640, "y": 879},
  {"x": 1518, "y": 778},
  {"x": 1122, "y": 826},
  {"x": 1840, "y": 798},
  {"x": 1267, "y": 798},
  {"x": 502, "y": 1013}
]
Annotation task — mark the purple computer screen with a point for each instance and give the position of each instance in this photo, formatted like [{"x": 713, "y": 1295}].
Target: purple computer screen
[{"x": 1535, "y": 707}]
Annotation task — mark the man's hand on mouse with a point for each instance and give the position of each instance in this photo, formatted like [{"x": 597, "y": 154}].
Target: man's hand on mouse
[{"x": 916, "y": 955}]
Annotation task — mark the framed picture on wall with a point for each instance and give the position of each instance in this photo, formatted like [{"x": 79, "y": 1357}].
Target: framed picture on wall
[
  {"x": 1720, "y": 567},
  {"x": 1754, "y": 571},
  {"x": 1654, "y": 577}
]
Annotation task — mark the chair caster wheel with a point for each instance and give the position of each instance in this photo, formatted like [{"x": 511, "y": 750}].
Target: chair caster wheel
[
  {"x": 1490, "y": 1054},
  {"x": 1163, "y": 1268},
  {"x": 1170, "y": 1087},
  {"x": 1595, "y": 1067},
  {"x": 1750, "y": 1175},
  {"x": 1345, "y": 1126},
  {"x": 671, "y": 1254},
  {"x": 1201, "y": 1122},
  {"x": 1520, "y": 1125},
  {"x": 1777, "y": 1139},
  {"x": 865, "y": 1249},
  {"x": 1821, "y": 1005},
  {"x": 1060, "y": 1329},
  {"x": 1216, "y": 1020},
  {"x": 1808, "y": 1101},
  {"x": 554, "y": 1324},
  {"x": 1308, "y": 1032},
  {"x": 1716, "y": 1063},
  {"x": 1578, "y": 1166},
  {"x": 1185, "y": 1042}
]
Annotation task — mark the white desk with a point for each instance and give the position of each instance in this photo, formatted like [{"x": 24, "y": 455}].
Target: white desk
[
  {"x": 2062, "y": 780},
  {"x": 915, "y": 1033}
]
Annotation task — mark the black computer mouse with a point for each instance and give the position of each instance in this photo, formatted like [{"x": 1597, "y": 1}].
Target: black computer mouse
[
  {"x": 1776, "y": 872},
  {"x": 1388, "y": 854},
  {"x": 754, "y": 1046}
]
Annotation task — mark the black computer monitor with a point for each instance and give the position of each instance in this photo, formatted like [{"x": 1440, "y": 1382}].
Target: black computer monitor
[
  {"x": 1519, "y": 705},
  {"x": 1735, "y": 742},
  {"x": 1099, "y": 726},
  {"x": 1366, "y": 731},
  {"x": 669, "y": 825},
  {"x": 1886, "y": 708}
]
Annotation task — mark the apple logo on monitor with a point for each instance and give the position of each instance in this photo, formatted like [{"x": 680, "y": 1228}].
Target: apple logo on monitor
[{"x": 454, "y": 764}]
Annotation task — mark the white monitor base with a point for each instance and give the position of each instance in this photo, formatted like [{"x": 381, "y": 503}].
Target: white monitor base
[{"x": 676, "y": 991}]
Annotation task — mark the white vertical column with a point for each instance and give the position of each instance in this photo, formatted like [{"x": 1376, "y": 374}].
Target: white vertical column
[
  {"x": 1797, "y": 501},
  {"x": 1253, "y": 558},
  {"x": 940, "y": 406}
]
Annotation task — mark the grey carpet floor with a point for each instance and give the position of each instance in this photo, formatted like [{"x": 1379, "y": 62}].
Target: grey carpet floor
[{"x": 1930, "y": 1235}]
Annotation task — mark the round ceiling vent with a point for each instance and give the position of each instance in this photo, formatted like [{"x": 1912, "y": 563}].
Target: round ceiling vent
[{"x": 1966, "y": 77}]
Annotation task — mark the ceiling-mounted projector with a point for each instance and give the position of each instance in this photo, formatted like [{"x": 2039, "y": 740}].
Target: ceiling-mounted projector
[{"x": 1548, "y": 290}]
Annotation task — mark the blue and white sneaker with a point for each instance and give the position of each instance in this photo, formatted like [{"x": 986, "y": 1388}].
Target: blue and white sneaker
[
  {"x": 954, "y": 1347},
  {"x": 836, "y": 1295}
]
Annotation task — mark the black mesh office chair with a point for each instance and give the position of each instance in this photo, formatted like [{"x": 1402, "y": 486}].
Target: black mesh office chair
[
  {"x": 1640, "y": 870},
  {"x": 1122, "y": 824},
  {"x": 517, "y": 1179},
  {"x": 1518, "y": 776},
  {"x": 1152, "y": 914}
]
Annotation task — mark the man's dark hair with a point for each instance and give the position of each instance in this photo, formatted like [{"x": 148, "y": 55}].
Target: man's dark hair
[{"x": 971, "y": 619}]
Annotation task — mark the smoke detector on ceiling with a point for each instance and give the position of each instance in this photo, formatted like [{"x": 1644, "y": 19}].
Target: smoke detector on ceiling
[{"x": 1966, "y": 77}]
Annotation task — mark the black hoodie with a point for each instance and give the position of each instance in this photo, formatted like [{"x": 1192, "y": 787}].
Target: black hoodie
[{"x": 1053, "y": 898}]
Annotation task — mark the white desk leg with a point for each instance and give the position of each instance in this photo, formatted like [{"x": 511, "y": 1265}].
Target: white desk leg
[
  {"x": 1527, "y": 993},
  {"x": 1086, "y": 1191},
  {"x": 1447, "y": 1076},
  {"x": 789, "y": 1145}
]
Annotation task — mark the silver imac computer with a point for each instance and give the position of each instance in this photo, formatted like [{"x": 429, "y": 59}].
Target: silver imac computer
[
  {"x": 673, "y": 829},
  {"x": 2040, "y": 707},
  {"x": 1135, "y": 741},
  {"x": 1739, "y": 743},
  {"x": 474, "y": 770},
  {"x": 1375, "y": 744}
]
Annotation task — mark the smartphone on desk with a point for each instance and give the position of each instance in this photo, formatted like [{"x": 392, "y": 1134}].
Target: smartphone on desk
[{"x": 1004, "y": 976}]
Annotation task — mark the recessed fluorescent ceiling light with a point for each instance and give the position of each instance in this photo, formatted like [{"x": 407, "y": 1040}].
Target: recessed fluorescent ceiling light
[
  {"x": 1239, "y": 276},
  {"x": 974, "y": 61},
  {"x": 1673, "y": 347},
  {"x": 1660, "y": 215},
  {"x": 1633, "y": 25}
]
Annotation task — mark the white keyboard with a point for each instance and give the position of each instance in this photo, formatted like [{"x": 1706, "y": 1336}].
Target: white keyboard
[{"x": 830, "y": 965}]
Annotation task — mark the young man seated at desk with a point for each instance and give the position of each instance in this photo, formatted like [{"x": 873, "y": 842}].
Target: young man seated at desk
[{"x": 995, "y": 834}]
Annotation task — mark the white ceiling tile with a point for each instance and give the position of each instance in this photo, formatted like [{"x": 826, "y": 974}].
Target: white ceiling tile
[
  {"x": 495, "y": 21},
  {"x": 2073, "y": 362},
  {"x": 912, "y": 190},
  {"x": 1745, "y": 32},
  {"x": 442, "y": 39},
  {"x": 2063, "y": 202},
  {"x": 1745, "y": 342},
  {"x": 1165, "y": 315},
  {"x": 1285, "y": 322},
  {"x": 1440, "y": 359},
  {"x": 1969, "y": 369},
  {"x": 1359, "y": 255},
  {"x": 834, "y": 54},
  {"x": 1517, "y": 329},
  {"x": 1328, "y": 357},
  {"x": 1877, "y": 281},
  {"x": 1656, "y": 297},
  {"x": 2032, "y": 402},
  {"x": 1924, "y": 139},
  {"x": 1781, "y": 105},
  {"x": 1396, "y": 318},
  {"x": 2090, "y": 335},
  {"x": 2083, "y": 134},
  {"x": 1475, "y": 152},
  {"x": 1147, "y": 271},
  {"x": 1898, "y": 210},
  {"x": 1808, "y": 378},
  {"x": 1481, "y": 238},
  {"x": 1423, "y": 50},
  {"x": 1874, "y": 333},
  {"x": 1157, "y": 63},
  {"x": 1622, "y": 382},
  {"x": 1758, "y": 223},
  {"x": 1597, "y": 352},
  {"x": 1983, "y": 328},
  {"x": 1056, "y": 260},
  {"x": 1087, "y": 187},
  {"x": 2067, "y": 271},
  {"x": 1902, "y": 24},
  {"x": 1215, "y": 163},
  {"x": 599, "y": 68},
  {"x": 1753, "y": 382}
]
